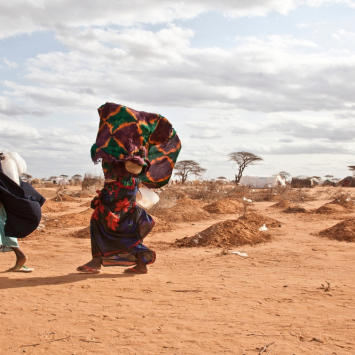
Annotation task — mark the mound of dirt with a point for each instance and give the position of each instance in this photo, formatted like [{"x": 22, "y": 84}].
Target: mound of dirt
[
  {"x": 51, "y": 206},
  {"x": 282, "y": 204},
  {"x": 295, "y": 209},
  {"x": 186, "y": 210},
  {"x": 86, "y": 204},
  {"x": 226, "y": 234},
  {"x": 36, "y": 235},
  {"x": 81, "y": 233},
  {"x": 65, "y": 198},
  {"x": 162, "y": 227},
  {"x": 226, "y": 205},
  {"x": 70, "y": 220},
  {"x": 257, "y": 220},
  {"x": 344, "y": 201},
  {"x": 47, "y": 193},
  {"x": 330, "y": 208},
  {"x": 343, "y": 231}
]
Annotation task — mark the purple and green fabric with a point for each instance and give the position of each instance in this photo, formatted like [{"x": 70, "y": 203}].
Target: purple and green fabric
[{"x": 147, "y": 139}]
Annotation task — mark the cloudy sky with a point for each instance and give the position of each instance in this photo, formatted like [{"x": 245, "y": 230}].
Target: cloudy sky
[{"x": 272, "y": 77}]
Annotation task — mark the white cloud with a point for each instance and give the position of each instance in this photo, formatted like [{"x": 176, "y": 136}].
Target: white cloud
[
  {"x": 10, "y": 64},
  {"x": 251, "y": 96},
  {"x": 343, "y": 35},
  {"x": 24, "y": 16},
  {"x": 272, "y": 73}
]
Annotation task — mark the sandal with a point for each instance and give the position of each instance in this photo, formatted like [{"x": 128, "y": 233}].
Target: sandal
[
  {"x": 20, "y": 269},
  {"x": 134, "y": 270},
  {"x": 88, "y": 270}
]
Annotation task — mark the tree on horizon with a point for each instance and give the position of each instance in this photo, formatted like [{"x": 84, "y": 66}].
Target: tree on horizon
[
  {"x": 243, "y": 160},
  {"x": 185, "y": 168}
]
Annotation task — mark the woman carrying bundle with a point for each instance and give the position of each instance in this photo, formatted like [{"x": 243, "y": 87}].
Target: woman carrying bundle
[
  {"x": 135, "y": 148},
  {"x": 20, "y": 207}
]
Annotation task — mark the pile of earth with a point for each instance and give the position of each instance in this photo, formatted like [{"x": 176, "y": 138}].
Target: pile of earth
[
  {"x": 65, "y": 198},
  {"x": 171, "y": 193},
  {"x": 47, "y": 193},
  {"x": 161, "y": 226},
  {"x": 330, "y": 208},
  {"x": 51, "y": 206},
  {"x": 226, "y": 234},
  {"x": 71, "y": 220},
  {"x": 35, "y": 235},
  {"x": 185, "y": 210},
  {"x": 343, "y": 231},
  {"x": 85, "y": 194},
  {"x": 282, "y": 204},
  {"x": 294, "y": 209},
  {"x": 265, "y": 195},
  {"x": 226, "y": 205},
  {"x": 345, "y": 201},
  {"x": 257, "y": 220},
  {"x": 81, "y": 233}
]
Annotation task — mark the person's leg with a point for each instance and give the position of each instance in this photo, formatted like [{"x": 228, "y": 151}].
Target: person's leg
[
  {"x": 21, "y": 258},
  {"x": 140, "y": 268}
]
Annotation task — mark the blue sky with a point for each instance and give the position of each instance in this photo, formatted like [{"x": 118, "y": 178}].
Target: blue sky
[{"x": 272, "y": 77}]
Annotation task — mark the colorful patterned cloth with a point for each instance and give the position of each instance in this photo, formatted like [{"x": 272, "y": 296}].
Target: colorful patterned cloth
[
  {"x": 6, "y": 243},
  {"x": 144, "y": 138},
  {"x": 118, "y": 225}
]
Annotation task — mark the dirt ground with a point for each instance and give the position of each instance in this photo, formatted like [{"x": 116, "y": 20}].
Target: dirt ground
[{"x": 292, "y": 295}]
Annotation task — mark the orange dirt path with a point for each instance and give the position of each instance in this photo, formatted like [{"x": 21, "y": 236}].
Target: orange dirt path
[{"x": 193, "y": 301}]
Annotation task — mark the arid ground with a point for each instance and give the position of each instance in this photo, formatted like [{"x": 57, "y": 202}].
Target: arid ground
[{"x": 292, "y": 294}]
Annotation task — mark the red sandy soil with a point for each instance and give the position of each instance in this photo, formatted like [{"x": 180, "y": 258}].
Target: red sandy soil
[
  {"x": 185, "y": 210},
  {"x": 65, "y": 198},
  {"x": 225, "y": 205},
  {"x": 330, "y": 208},
  {"x": 294, "y": 209},
  {"x": 51, "y": 206},
  {"x": 226, "y": 234},
  {"x": 86, "y": 204},
  {"x": 257, "y": 220},
  {"x": 282, "y": 204},
  {"x": 70, "y": 219},
  {"x": 343, "y": 231},
  {"x": 192, "y": 301}
]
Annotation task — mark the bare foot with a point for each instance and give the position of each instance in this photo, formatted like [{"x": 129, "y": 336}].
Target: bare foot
[
  {"x": 21, "y": 258},
  {"x": 21, "y": 261}
]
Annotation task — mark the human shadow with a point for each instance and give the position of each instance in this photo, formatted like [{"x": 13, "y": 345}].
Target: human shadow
[{"x": 9, "y": 283}]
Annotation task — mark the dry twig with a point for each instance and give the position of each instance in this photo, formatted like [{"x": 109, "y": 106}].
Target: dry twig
[
  {"x": 265, "y": 347},
  {"x": 272, "y": 349},
  {"x": 45, "y": 342}
]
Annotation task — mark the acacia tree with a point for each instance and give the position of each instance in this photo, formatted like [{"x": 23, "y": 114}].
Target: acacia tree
[
  {"x": 77, "y": 177},
  {"x": 185, "y": 168},
  {"x": 328, "y": 177},
  {"x": 243, "y": 159},
  {"x": 284, "y": 174}
]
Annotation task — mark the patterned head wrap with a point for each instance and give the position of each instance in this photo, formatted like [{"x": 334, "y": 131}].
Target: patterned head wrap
[{"x": 144, "y": 138}]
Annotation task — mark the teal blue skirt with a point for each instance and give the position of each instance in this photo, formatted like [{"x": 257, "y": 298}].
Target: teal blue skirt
[{"x": 6, "y": 243}]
